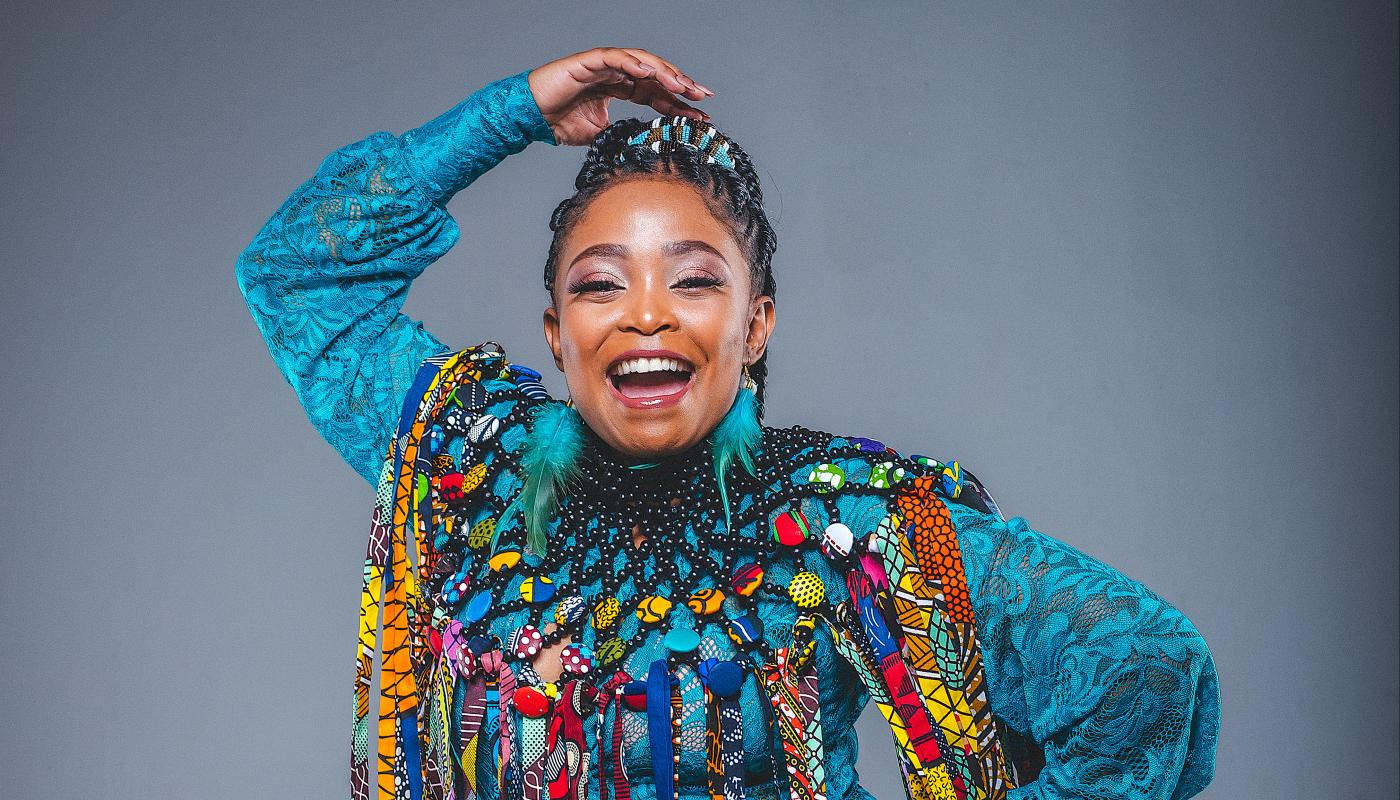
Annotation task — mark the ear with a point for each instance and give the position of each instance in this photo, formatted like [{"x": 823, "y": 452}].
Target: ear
[
  {"x": 762, "y": 313},
  {"x": 551, "y": 335}
]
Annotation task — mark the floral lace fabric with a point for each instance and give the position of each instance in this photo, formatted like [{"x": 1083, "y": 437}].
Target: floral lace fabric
[{"x": 1112, "y": 683}]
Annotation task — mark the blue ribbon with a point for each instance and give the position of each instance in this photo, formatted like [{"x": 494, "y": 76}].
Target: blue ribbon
[{"x": 659, "y": 729}]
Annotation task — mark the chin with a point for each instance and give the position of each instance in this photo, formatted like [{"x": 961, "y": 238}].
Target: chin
[{"x": 653, "y": 438}]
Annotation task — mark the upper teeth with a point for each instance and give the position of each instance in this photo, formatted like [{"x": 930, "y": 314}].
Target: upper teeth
[{"x": 632, "y": 365}]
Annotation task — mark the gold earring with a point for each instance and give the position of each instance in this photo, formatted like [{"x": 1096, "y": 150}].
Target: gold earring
[{"x": 748, "y": 381}]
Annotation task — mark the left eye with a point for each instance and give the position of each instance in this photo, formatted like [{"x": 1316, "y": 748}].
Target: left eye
[{"x": 697, "y": 281}]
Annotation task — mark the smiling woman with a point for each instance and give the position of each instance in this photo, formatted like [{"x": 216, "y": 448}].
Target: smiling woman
[{"x": 643, "y": 592}]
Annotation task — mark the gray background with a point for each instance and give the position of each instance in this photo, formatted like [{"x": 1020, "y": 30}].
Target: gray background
[{"x": 1135, "y": 265}]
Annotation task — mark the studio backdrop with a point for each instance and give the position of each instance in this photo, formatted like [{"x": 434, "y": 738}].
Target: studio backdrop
[{"x": 1134, "y": 264}]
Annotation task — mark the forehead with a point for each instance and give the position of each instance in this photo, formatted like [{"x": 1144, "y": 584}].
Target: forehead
[{"x": 649, "y": 212}]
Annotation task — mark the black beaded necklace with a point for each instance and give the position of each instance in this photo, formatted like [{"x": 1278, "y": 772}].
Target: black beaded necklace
[{"x": 592, "y": 544}]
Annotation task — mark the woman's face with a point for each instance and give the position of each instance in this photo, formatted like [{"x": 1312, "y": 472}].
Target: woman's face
[{"x": 652, "y": 321}]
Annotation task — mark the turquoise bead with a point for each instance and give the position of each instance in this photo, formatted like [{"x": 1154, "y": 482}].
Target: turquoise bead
[{"x": 682, "y": 640}]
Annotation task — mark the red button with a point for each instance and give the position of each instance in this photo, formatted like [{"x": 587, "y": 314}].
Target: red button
[
  {"x": 531, "y": 701},
  {"x": 791, "y": 528}
]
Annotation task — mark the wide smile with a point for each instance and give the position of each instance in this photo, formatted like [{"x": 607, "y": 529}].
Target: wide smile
[{"x": 649, "y": 379}]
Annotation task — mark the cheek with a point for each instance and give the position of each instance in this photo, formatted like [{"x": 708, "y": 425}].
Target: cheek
[
  {"x": 579, "y": 334},
  {"x": 728, "y": 327}
]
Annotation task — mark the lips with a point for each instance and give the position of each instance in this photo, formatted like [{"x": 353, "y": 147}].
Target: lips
[{"x": 650, "y": 378}]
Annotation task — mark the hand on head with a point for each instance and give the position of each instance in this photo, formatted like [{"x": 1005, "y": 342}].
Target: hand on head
[{"x": 573, "y": 92}]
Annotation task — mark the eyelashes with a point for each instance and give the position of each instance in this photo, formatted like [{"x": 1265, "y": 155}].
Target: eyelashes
[
  {"x": 595, "y": 285},
  {"x": 604, "y": 285},
  {"x": 699, "y": 282}
]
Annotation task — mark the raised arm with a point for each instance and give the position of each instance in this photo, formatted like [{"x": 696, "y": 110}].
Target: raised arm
[
  {"x": 1116, "y": 685},
  {"x": 326, "y": 276}
]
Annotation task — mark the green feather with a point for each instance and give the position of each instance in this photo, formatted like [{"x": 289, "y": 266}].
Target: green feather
[{"x": 550, "y": 463}]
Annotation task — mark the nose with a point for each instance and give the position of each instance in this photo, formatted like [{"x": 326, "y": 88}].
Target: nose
[{"x": 648, "y": 309}]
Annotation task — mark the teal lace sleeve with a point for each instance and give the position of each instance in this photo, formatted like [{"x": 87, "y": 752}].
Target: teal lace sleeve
[
  {"x": 326, "y": 277},
  {"x": 1116, "y": 686}
]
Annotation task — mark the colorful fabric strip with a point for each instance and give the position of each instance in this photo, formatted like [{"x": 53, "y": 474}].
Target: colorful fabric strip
[
  {"x": 797, "y": 713},
  {"x": 659, "y": 729},
  {"x": 935, "y": 611},
  {"x": 908, "y": 705},
  {"x": 534, "y": 750},
  {"x": 469, "y": 729},
  {"x": 606, "y": 699}
]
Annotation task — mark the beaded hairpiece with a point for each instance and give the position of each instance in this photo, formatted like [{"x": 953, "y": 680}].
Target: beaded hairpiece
[{"x": 665, "y": 134}]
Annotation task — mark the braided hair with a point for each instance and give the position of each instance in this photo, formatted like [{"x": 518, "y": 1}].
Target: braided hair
[{"x": 733, "y": 196}]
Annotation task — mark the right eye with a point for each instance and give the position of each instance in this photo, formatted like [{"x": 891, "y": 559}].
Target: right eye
[{"x": 595, "y": 285}]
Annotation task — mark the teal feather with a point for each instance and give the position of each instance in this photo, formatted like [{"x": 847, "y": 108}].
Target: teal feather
[
  {"x": 550, "y": 463},
  {"x": 503, "y": 522},
  {"x": 735, "y": 439}
]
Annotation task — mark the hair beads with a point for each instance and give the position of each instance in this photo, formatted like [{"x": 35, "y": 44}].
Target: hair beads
[{"x": 665, "y": 134}]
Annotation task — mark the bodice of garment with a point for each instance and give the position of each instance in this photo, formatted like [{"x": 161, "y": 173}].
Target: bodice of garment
[
  {"x": 1113, "y": 683},
  {"x": 841, "y": 696}
]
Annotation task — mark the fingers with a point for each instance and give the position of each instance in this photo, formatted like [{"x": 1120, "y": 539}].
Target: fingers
[
  {"x": 613, "y": 65},
  {"x": 651, "y": 93},
  {"x": 662, "y": 64},
  {"x": 617, "y": 64}
]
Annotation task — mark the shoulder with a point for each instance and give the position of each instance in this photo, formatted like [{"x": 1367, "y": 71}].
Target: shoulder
[
  {"x": 475, "y": 395},
  {"x": 470, "y": 379},
  {"x": 840, "y": 460}
]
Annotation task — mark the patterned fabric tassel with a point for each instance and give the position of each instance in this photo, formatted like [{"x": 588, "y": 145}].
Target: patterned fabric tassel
[
  {"x": 534, "y": 750},
  {"x": 905, "y": 699},
  {"x": 436, "y": 720},
  {"x": 400, "y": 776},
  {"x": 507, "y": 776},
  {"x": 724, "y": 734},
  {"x": 607, "y": 699},
  {"x": 934, "y": 609},
  {"x": 793, "y": 695},
  {"x": 567, "y": 767},
  {"x": 469, "y": 729},
  {"x": 488, "y": 784},
  {"x": 714, "y": 765},
  {"x": 622, "y": 789},
  {"x": 371, "y": 595}
]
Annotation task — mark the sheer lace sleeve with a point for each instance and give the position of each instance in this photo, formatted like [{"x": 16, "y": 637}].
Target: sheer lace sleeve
[
  {"x": 326, "y": 277},
  {"x": 1115, "y": 684}
]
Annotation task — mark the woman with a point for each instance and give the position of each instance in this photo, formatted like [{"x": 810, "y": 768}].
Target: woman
[{"x": 644, "y": 592}]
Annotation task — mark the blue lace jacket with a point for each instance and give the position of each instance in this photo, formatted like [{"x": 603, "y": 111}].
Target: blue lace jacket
[{"x": 1114, "y": 684}]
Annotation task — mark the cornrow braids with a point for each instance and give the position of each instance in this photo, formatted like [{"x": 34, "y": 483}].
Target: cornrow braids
[{"x": 731, "y": 190}]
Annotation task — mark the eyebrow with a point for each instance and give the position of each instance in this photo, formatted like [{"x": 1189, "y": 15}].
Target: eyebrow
[{"x": 677, "y": 248}]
